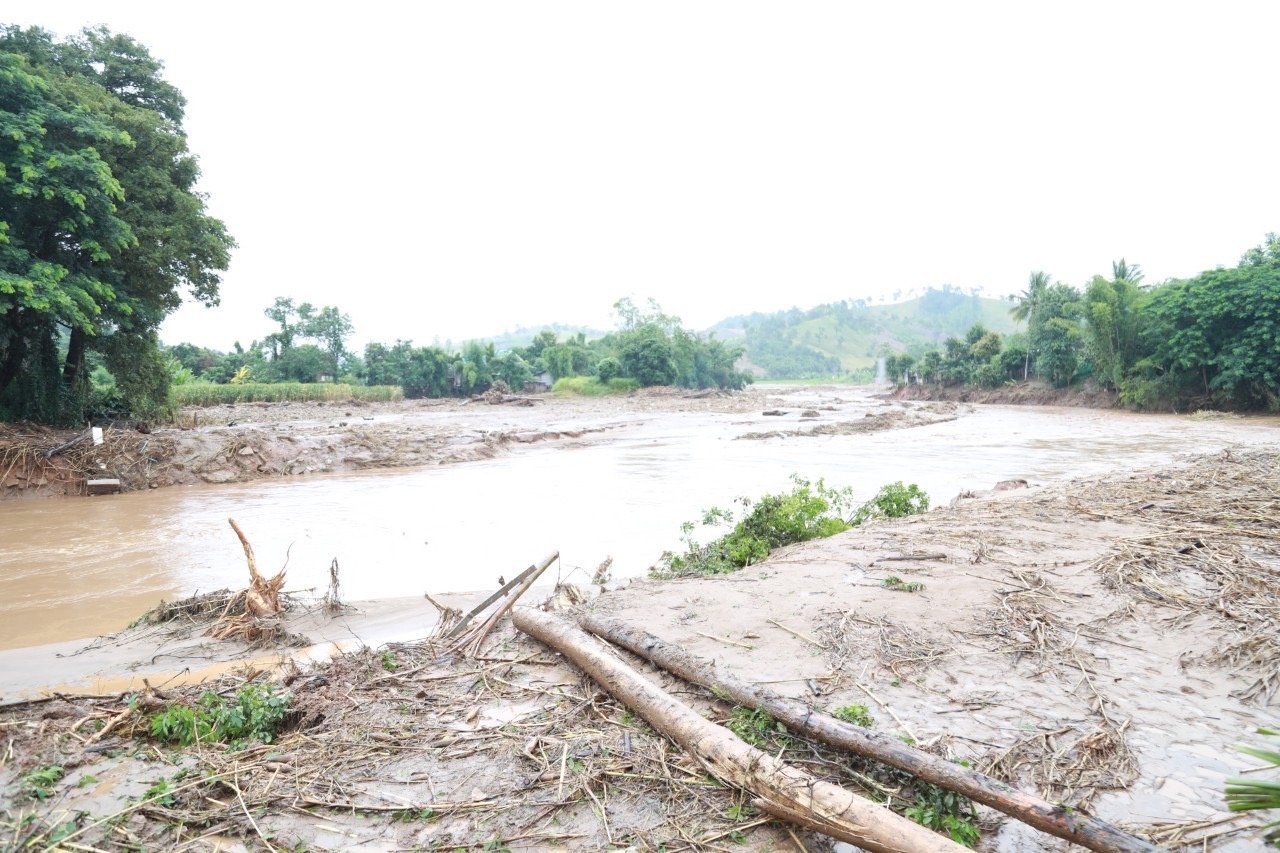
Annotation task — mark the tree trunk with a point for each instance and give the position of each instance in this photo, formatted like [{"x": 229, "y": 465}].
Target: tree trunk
[
  {"x": 73, "y": 367},
  {"x": 800, "y": 718},
  {"x": 835, "y": 811},
  {"x": 14, "y": 353}
]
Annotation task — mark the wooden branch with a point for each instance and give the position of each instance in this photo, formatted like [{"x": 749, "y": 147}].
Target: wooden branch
[
  {"x": 800, "y": 718},
  {"x": 254, "y": 574},
  {"x": 840, "y": 813},
  {"x": 470, "y": 642},
  {"x": 479, "y": 608}
]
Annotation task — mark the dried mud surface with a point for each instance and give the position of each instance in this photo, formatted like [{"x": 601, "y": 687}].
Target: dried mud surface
[{"x": 1103, "y": 642}]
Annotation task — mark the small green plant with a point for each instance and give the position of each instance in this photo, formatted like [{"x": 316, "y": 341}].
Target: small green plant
[
  {"x": 38, "y": 784},
  {"x": 856, "y": 714},
  {"x": 86, "y": 780},
  {"x": 892, "y": 501},
  {"x": 739, "y": 812},
  {"x": 897, "y": 584},
  {"x": 159, "y": 794},
  {"x": 811, "y": 510},
  {"x": 1255, "y": 794},
  {"x": 254, "y": 713},
  {"x": 946, "y": 812},
  {"x": 755, "y": 727},
  {"x": 389, "y": 662}
]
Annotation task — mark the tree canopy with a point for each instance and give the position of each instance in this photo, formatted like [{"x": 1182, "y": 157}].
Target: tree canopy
[{"x": 101, "y": 226}]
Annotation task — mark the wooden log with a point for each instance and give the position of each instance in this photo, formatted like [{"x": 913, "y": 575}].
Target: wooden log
[
  {"x": 798, "y": 717},
  {"x": 839, "y": 813}
]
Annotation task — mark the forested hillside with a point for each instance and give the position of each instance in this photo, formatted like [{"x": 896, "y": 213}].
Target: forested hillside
[{"x": 847, "y": 336}]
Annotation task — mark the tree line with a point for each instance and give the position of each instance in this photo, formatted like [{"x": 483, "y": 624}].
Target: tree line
[
  {"x": 1209, "y": 340},
  {"x": 650, "y": 347}
]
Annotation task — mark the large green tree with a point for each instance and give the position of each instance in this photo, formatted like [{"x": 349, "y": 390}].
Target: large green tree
[{"x": 101, "y": 226}]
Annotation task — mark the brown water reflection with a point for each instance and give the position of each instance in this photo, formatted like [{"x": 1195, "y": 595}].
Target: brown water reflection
[{"x": 78, "y": 567}]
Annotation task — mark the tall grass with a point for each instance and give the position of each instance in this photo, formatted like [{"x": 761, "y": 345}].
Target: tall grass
[
  {"x": 590, "y": 386},
  {"x": 207, "y": 394}
]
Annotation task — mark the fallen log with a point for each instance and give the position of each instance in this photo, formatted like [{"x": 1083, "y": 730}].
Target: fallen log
[
  {"x": 800, "y": 718},
  {"x": 787, "y": 790}
]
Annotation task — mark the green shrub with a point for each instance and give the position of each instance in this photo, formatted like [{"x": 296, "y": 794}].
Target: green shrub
[
  {"x": 808, "y": 511},
  {"x": 609, "y": 368},
  {"x": 892, "y": 501},
  {"x": 208, "y": 394},
  {"x": 254, "y": 713}
]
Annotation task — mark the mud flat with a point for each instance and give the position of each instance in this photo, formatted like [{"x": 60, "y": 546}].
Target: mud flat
[
  {"x": 1101, "y": 642},
  {"x": 254, "y": 441}
]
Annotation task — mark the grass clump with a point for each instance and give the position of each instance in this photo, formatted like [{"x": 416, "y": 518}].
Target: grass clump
[
  {"x": 809, "y": 511},
  {"x": 1249, "y": 794},
  {"x": 856, "y": 714},
  {"x": 755, "y": 727},
  {"x": 209, "y": 394},
  {"x": 591, "y": 386},
  {"x": 254, "y": 713},
  {"x": 897, "y": 584},
  {"x": 38, "y": 784}
]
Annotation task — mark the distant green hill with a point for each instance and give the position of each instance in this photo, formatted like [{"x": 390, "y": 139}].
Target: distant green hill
[{"x": 847, "y": 336}]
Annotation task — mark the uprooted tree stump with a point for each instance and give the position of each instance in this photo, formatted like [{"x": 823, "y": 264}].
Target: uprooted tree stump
[{"x": 249, "y": 613}]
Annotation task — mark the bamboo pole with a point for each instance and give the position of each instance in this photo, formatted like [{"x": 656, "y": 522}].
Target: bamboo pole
[
  {"x": 798, "y": 795},
  {"x": 1063, "y": 822}
]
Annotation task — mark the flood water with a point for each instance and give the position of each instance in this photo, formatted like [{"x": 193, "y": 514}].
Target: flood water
[{"x": 79, "y": 567}]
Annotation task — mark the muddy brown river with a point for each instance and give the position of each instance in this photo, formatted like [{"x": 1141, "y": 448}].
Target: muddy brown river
[{"x": 76, "y": 567}]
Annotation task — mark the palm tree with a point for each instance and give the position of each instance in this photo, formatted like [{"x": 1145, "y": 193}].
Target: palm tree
[
  {"x": 1122, "y": 271},
  {"x": 1025, "y": 309}
]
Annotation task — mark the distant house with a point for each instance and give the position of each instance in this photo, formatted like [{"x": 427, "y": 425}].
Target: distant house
[{"x": 538, "y": 384}]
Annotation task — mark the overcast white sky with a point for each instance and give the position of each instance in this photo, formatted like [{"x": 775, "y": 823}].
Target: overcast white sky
[{"x": 459, "y": 169}]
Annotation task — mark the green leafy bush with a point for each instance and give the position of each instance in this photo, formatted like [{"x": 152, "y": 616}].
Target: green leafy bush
[
  {"x": 809, "y": 511},
  {"x": 892, "y": 501},
  {"x": 254, "y": 713}
]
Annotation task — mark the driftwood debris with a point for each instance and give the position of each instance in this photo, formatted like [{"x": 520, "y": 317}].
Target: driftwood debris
[
  {"x": 469, "y": 643},
  {"x": 797, "y": 716},
  {"x": 782, "y": 789}
]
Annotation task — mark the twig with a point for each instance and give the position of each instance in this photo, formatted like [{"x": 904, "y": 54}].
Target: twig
[{"x": 795, "y": 633}]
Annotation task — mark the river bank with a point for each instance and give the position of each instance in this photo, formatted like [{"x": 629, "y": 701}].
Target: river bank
[
  {"x": 1102, "y": 641},
  {"x": 1087, "y": 395}
]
